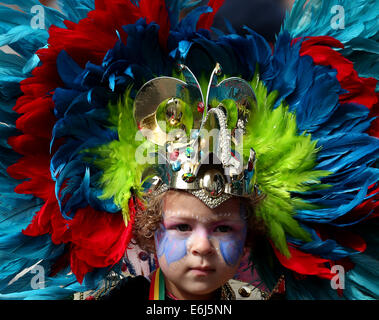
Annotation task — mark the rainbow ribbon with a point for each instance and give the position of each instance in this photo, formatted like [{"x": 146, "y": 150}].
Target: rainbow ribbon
[{"x": 157, "y": 287}]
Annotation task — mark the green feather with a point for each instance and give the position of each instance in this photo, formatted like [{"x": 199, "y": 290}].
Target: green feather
[
  {"x": 285, "y": 163},
  {"x": 119, "y": 160}
]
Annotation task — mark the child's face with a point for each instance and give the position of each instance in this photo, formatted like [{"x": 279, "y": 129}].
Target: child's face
[{"x": 199, "y": 248}]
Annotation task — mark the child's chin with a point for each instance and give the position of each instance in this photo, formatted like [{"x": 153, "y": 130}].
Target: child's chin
[
  {"x": 202, "y": 287},
  {"x": 201, "y": 292}
]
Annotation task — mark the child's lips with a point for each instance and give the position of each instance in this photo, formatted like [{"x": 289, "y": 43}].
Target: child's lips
[{"x": 202, "y": 271}]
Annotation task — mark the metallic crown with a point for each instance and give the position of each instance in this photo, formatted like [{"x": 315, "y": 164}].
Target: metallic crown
[{"x": 200, "y": 140}]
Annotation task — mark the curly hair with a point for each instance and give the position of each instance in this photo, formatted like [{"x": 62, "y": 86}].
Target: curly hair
[{"x": 148, "y": 219}]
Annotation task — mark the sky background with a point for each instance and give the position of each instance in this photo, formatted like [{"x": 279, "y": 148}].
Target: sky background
[{"x": 263, "y": 16}]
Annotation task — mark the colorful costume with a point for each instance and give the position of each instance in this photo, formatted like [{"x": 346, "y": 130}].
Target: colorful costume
[{"x": 76, "y": 99}]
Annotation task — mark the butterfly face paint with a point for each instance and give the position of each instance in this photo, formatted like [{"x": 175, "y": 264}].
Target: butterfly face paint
[
  {"x": 170, "y": 245},
  {"x": 179, "y": 236},
  {"x": 198, "y": 248},
  {"x": 232, "y": 246}
]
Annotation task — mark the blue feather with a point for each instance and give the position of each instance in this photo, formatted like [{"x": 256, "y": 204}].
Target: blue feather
[
  {"x": 327, "y": 249},
  {"x": 81, "y": 109},
  {"x": 353, "y": 147},
  {"x": 314, "y": 19},
  {"x": 68, "y": 70},
  {"x": 76, "y": 10},
  {"x": 187, "y": 25},
  {"x": 359, "y": 34},
  {"x": 327, "y": 215}
]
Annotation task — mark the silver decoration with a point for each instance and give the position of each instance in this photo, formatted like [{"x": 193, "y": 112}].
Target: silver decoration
[
  {"x": 210, "y": 202},
  {"x": 224, "y": 137},
  {"x": 221, "y": 181}
]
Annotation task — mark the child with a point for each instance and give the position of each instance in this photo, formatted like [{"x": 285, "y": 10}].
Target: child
[
  {"x": 198, "y": 248},
  {"x": 71, "y": 145}
]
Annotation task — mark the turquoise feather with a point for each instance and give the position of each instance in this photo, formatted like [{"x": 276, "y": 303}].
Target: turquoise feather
[{"x": 360, "y": 33}]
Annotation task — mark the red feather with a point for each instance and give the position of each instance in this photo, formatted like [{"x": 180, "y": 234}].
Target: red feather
[
  {"x": 304, "y": 263},
  {"x": 155, "y": 11},
  {"x": 206, "y": 19},
  {"x": 360, "y": 90},
  {"x": 93, "y": 238}
]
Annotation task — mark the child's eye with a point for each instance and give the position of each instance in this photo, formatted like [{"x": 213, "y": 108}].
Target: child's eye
[
  {"x": 183, "y": 227},
  {"x": 223, "y": 228}
]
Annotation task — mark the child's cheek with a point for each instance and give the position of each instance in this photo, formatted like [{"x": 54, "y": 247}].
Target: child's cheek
[
  {"x": 231, "y": 247},
  {"x": 231, "y": 250},
  {"x": 172, "y": 247}
]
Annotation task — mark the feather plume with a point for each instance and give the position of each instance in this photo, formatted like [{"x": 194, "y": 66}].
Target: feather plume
[
  {"x": 353, "y": 23},
  {"x": 121, "y": 170},
  {"x": 286, "y": 163}
]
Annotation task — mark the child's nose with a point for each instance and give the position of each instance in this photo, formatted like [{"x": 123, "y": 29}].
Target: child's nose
[{"x": 201, "y": 245}]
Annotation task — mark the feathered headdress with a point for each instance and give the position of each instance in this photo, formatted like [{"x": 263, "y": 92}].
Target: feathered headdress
[{"x": 77, "y": 99}]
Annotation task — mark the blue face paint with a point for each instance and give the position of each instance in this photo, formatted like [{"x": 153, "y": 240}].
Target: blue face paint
[
  {"x": 231, "y": 250},
  {"x": 172, "y": 247},
  {"x": 232, "y": 247}
]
